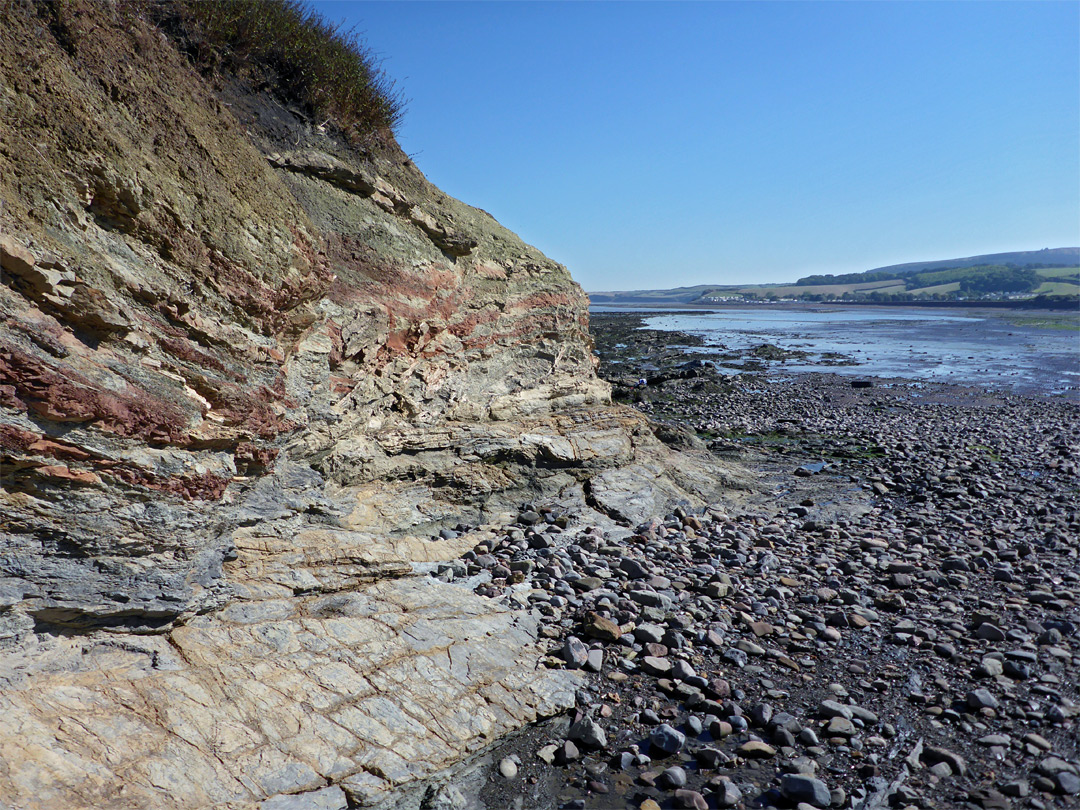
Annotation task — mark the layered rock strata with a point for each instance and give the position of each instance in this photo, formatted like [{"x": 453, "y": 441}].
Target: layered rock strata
[{"x": 249, "y": 377}]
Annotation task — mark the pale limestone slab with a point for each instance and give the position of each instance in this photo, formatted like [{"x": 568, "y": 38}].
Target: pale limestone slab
[{"x": 412, "y": 678}]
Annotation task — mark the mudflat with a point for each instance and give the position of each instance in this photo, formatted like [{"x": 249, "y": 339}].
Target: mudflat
[{"x": 1014, "y": 350}]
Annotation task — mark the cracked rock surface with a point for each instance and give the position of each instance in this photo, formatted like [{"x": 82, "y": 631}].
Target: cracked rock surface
[
  {"x": 251, "y": 377},
  {"x": 367, "y": 690}
]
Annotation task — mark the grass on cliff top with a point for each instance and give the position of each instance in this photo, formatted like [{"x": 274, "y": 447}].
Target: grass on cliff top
[{"x": 323, "y": 68}]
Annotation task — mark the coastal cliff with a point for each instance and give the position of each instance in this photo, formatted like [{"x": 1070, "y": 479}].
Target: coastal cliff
[{"x": 252, "y": 378}]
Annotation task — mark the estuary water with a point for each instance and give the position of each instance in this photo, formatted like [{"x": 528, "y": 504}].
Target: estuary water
[{"x": 1023, "y": 351}]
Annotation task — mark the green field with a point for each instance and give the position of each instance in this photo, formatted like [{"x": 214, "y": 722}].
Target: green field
[
  {"x": 793, "y": 291},
  {"x": 1058, "y": 281},
  {"x": 1071, "y": 274},
  {"x": 1058, "y": 288}
]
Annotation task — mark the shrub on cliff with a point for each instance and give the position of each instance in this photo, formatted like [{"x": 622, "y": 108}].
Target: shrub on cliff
[{"x": 292, "y": 51}]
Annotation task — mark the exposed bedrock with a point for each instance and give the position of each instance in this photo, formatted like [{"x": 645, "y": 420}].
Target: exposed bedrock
[{"x": 247, "y": 374}]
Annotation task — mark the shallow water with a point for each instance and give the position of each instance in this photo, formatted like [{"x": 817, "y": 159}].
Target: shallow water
[{"x": 967, "y": 347}]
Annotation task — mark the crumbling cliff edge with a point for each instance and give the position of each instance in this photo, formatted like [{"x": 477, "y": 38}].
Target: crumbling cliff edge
[{"x": 248, "y": 373}]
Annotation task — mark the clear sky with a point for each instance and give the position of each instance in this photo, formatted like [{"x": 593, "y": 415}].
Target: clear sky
[{"x": 652, "y": 145}]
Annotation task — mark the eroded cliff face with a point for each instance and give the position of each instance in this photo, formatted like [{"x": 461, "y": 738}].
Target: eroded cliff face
[{"x": 247, "y": 373}]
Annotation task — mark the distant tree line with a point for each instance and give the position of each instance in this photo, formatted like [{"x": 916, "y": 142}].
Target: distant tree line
[
  {"x": 845, "y": 278},
  {"x": 1001, "y": 279},
  {"x": 980, "y": 279}
]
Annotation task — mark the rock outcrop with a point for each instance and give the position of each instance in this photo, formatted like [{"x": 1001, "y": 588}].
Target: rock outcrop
[{"x": 247, "y": 375}]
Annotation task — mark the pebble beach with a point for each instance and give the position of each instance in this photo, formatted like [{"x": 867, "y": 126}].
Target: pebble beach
[{"x": 888, "y": 618}]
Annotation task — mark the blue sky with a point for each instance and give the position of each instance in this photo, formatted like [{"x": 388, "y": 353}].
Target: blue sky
[{"x": 652, "y": 145}]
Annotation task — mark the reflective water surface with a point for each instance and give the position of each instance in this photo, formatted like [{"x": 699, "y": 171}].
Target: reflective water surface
[{"x": 992, "y": 348}]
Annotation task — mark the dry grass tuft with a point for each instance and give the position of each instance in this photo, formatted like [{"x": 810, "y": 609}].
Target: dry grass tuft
[{"x": 293, "y": 51}]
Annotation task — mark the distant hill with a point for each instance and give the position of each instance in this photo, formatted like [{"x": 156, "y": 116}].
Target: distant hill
[
  {"x": 679, "y": 295},
  {"x": 1048, "y": 257},
  {"x": 992, "y": 276}
]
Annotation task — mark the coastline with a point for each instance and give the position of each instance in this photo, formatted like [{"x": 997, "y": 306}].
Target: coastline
[
  {"x": 988, "y": 305},
  {"x": 1014, "y": 351}
]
